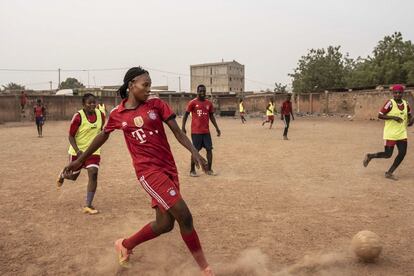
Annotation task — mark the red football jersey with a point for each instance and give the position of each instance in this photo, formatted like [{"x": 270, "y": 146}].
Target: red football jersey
[
  {"x": 39, "y": 111},
  {"x": 286, "y": 108},
  {"x": 200, "y": 114},
  {"x": 144, "y": 134}
]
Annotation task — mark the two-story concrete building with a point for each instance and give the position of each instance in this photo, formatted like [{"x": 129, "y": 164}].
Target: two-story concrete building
[{"x": 225, "y": 76}]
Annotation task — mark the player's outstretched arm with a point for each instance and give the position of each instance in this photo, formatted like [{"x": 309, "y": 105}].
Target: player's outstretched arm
[
  {"x": 99, "y": 140},
  {"x": 183, "y": 139},
  {"x": 386, "y": 117},
  {"x": 410, "y": 120},
  {"x": 213, "y": 120},
  {"x": 185, "y": 121}
]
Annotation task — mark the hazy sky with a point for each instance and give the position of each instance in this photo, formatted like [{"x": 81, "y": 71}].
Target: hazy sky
[{"x": 268, "y": 37}]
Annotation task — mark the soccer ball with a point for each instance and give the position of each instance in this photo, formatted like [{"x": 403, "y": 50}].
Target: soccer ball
[{"x": 366, "y": 245}]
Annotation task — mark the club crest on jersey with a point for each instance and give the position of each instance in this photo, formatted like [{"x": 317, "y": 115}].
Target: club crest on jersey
[
  {"x": 152, "y": 115},
  {"x": 138, "y": 121},
  {"x": 172, "y": 192}
]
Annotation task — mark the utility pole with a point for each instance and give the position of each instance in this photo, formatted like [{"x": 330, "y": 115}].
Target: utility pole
[
  {"x": 179, "y": 83},
  {"x": 59, "y": 78},
  {"x": 50, "y": 82}
]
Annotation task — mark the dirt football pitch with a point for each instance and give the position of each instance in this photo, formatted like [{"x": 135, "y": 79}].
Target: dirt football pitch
[{"x": 275, "y": 207}]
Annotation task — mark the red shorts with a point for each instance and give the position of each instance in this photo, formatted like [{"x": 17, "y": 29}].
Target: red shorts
[
  {"x": 92, "y": 161},
  {"x": 391, "y": 143},
  {"x": 164, "y": 189},
  {"x": 270, "y": 117},
  {"x": 242, "y": 113}
]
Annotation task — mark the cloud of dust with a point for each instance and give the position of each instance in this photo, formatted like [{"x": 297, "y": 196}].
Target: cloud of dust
[{"x": 253, "y": 262}]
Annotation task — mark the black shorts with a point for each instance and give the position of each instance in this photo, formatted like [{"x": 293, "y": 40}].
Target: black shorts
[
  {"x": 39, "y": 121},
  {"x": 202, "y": 141}
]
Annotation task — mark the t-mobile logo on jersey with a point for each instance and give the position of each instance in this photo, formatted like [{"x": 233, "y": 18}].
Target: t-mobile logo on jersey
[
  {"x": 200, "y": 112},
  {"x": 139, "y": 134}
]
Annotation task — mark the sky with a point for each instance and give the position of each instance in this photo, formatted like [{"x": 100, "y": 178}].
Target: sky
[{"x": 104, "y": 38}]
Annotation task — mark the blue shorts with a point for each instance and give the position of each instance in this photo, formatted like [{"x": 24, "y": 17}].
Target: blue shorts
[
  {"x": 202, "y": 141},
  {"x": 39, "y": 121}
]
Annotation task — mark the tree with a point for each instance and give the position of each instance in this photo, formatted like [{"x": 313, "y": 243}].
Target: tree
[
  {"x": 280, "y": 88},
  {"x": 393, "y": 60},
  {"x": 71, "y": 83},
  {"x": 320, "y": 69},
  {"x": 13, "y": 86}
]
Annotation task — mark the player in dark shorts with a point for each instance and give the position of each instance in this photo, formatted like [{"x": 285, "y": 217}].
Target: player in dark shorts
[
  {"x": 142, "y": 121},
  {"x": 39, "y": 115},
  {"x": 397, "y": 115},
  {"x": 202, "y": 111},
  {"x": 242, "y": 111},
  {"x": 286, "y": 112}
]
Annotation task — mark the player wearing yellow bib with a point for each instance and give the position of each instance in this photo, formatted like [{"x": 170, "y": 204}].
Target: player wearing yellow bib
[
  {"x": 86, "y": 124},
  {"x": 242, "y": 111},
  {"x": 397, "y": 115},
  {"x": 101, "y": 106},
  {"x": 270, "y": 116}
]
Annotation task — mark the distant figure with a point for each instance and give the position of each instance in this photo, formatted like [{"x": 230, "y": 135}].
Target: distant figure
[
  {"x": 270, "y": 109},
  {"x": 242, "y": 111},
  {"x": 101, "y": 106},
  {"x": 39, "y": 114},
  {"x": 202, "y": 111},
  {"x": 23, "y": 102},
  {"x": 86, "y": 124},
  {"x": 285, "y": 112},
  {"x": 397, "y": 115}
]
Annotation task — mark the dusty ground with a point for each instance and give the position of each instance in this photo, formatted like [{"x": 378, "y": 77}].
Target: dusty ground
[{"x": 275, "y": 208}]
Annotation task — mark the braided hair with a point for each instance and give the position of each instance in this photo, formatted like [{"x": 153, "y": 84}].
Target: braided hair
[{"x": 129, "y": 76}]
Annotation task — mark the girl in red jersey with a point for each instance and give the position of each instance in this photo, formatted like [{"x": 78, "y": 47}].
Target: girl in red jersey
[
  {"x": 141, "y": 120},
  {"x": 39, "y": 114}
]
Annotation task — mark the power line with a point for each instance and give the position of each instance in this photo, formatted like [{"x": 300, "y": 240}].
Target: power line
[
  {"x": 28, "y": 70},
  {"x": 113, "y": 69}
]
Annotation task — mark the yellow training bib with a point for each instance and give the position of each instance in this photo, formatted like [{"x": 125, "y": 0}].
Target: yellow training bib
[
  {"x": 101, "y": 107},
  {"x": 394, "y": 130},
  {"x": 271, "y": 107},
  {"x": 87, "y": 132}
]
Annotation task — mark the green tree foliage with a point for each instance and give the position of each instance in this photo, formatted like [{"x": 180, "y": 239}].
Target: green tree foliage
[
  {"x": 280, "y": 88},
  {"x": 71, "y": 83},
  {"x": 392, "y": 61},
  {"x": 320, "y": 69},
  {"x": 13, "y": 86}
]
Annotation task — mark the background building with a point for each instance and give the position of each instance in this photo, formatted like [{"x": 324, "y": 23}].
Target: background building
[{"x": 225, "y": 76}]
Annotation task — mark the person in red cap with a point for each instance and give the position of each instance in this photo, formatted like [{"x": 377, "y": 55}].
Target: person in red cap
[{"x": 397, "y": 115}]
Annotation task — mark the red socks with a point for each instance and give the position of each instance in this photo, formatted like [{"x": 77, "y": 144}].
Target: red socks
[
  {"x": 191, "y": 240},
  {"x": 141, "y": 236},
  {"x": 193, "y": 244}
]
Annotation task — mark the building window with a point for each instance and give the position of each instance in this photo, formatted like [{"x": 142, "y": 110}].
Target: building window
[
  {"x": 230, "y": 79},
  {"x": 211, "y": 80},
  {"x": 211, "y": 71},
  {"x": 230, "y": 88}
]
